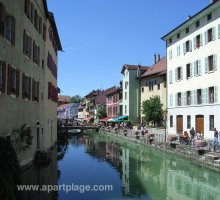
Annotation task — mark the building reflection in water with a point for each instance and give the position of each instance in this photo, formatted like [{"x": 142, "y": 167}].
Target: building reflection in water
[{"x": 43, "y": 175}]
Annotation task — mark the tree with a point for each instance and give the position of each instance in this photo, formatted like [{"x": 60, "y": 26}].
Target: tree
[
  {"x": 76, "y": 99},
  {"x": 152, "y": 109},
  {"x": 101, "y": 112}
]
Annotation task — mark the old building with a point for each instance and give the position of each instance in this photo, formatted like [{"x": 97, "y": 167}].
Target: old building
[
  {"x": 193, "y": 73},
  {"x": 131, "y": 91},
  {"x": 29, "y": 43},
  {"x": 153, "y": 82},
  {"x": 63, "y": 99}
]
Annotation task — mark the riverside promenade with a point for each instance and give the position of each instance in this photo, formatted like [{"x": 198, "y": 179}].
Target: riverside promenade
[{"x": 155, "y": 139}]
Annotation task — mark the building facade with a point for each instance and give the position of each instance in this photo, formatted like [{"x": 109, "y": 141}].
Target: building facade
[
  {"x": 153, "y": 83},
  {"x": 131, "y": 91},
  {"x": 28, "y": 72},
  {"x": 193, "y": 71},
  {"x": 68, "y": 111}
]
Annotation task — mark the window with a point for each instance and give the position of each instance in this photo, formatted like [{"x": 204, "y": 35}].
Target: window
[
  {"x": 178, "y": 50},
  {"x": 44, "y": 32},
  {"x": 126, "y": 84},
  {"x": 199, "y": 96},
  {"x": 211, "y": 122},
  {"x": 210, "y": 63},
  {"x": 170, "y": 40},
  {"x": 158, "y": 86},
  {"x": 209, "y": 16},
  {"x": 188, "y": 46},
  {"x": 170, "y": 76},
  {"x": 178, "y": 73},
  {"x": 171, "y": 100},
  {"x": 210, "y": 35},
  {"x": 211, "y": 94},
  {"x": 170, "y": 54},
  {"x": 125, "y": 95},
  {"x": 142, "y": 89},
  {"x": 197, "y": 67},
  {"x": 188, "y": 98},
  {"x": 171, "y": 120},
  {"x": 188, "y": 71},
  {"x": 188, "y": 121},
  {"x": 26, "y": 87},
  {"x": 179, "y": 98},
  {"x": 40, "y": 25},
  {"x": 2, "y": 76},
  {"x": 36, "y": 53},
  {"x": 36, "y": 20},
  {"x": 13, "y": 81},
  {"x": 151, "y": 85},
  {"x": 27, "y": 44},
  {"x": 187, "y": 30},
  {"x": 197, "y": 24},
  {"x": 178, "y": 35},
  {"x": 197, "y": 41}
]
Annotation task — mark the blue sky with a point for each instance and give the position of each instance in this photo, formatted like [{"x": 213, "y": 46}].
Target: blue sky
[{"x": 99, "y": 36}]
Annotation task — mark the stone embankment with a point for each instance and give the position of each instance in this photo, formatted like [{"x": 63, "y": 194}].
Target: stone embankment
[{"x": 156, "y": 139}]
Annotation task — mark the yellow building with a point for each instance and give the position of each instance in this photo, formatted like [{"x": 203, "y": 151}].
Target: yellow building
[
  {"x": 29, "y": 43},
  {"x": 153, "y": 82}
]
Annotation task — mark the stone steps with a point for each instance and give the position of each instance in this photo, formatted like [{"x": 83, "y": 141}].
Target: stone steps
[{"x": 211, "y": 157}]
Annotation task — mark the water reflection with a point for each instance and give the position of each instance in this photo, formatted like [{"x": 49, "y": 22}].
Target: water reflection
[{"x": 135, "y": 171}]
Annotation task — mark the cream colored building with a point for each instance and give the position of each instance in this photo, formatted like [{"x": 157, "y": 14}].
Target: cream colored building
[
  {"x": 28, "y": 72},
  {"x": 153, "y": 83},
  {"x": 193, "y": 73}
]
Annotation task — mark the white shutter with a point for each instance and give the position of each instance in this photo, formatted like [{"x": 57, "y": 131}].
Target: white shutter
[
  {"x": 195, "y": 97},
  {"x": 175, "y": 74},
  {"x": 206, "y": 37},
  {"x": 215, "y": 62},
  {"x": 203, "y": 96},
  {"x": 184, "y": 47},
  {"x": 206, "y": 64},
  {"x": 199, "y": 68},
  {"x": 181, "y": 73},
  {"x": 192, "y": 97},
  {"x": 191, "y": 69},
  {"x": 190, "y": 45},
  {"x": 195, "y": 70},
  {"x": 213, "y": 33},
  {"x": 194, "y": 43},
  {"x": 216, "y": 94},
  {"x": 201, "y": 40}
]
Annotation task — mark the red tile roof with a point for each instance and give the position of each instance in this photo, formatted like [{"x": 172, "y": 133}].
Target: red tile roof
[
  {"x": 101, "y": 98},
  {"x": 157, "y": 69}
]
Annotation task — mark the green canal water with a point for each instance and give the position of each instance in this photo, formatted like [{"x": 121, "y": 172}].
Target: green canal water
[{"x": 134, "y": 172}]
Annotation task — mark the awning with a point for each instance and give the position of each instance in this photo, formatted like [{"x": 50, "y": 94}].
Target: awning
[
  {"x": 87, "y": 119},
  {"x": 105, "y": 119},
  {"x": 120, "y": 118}
]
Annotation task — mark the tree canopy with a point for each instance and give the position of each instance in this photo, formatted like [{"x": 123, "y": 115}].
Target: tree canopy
[
  {"x": 76, "y": 99},
  {"x": 152, "y": 109},
  {"x": 101, "y": 112}
]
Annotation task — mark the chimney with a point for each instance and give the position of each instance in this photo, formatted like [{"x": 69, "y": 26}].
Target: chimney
[
  {"x": 158, "y": 57},
  {"x": 155, "y": 58}
]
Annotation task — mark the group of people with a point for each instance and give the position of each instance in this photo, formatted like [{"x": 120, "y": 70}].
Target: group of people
[{"x": 200, "y": 135}]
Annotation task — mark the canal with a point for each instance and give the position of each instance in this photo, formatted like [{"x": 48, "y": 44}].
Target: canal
[{"x": 133, "y": 171}]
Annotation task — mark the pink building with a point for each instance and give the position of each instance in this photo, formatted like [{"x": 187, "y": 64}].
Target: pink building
[{"x": 113, "y": 100}]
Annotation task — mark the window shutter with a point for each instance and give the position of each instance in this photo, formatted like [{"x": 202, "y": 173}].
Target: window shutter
[
  {"x": 13, "y": 31},
  {"x": 30, "y": 47},
  {"x": 37, "y": 90},
  {"x": 3, "y": 76},
  {"x": 9, "y": 80},
  {"x": 33, "y": 89},
  {"x": 199, "y": 67},
  {"x": 195, "y": 97},
  {"x": 194, "y": 65},
  {"x": 216, "y": 94},
  {"x": 184, "y": 98},
  {"x": 32, "y": 12},
  {"x": 176, "y": 103},
  {"x": 206, "y": 95},
  {"x": 191, "y": 70},
  {"x": 24, "y": 42},
  {"x": 170, "y": 98},
  {"x": 206, "y": 64},
  {"x": 26, "y": 6},
  {"x": 181, "y": 73},
  {"x": 213, "y": 33},
  {"x": 201, "y": 40},
  {"x": 34, "y": 51},
  {"x": 29, "y": 88},
  {"x": 190, "y": 45},
  {"x": 17, "y": 82},
  {"x": 206, "y": 37},
  {"x": 203, "y": 96},
  {"x": 194, "y": 43},
  {"x": 177, "y": 51},
  {"x": 219, "y": 31},
  {"x": 215, "y": 62},
  {"x": 23, "y": 86},
  {"x": 192, "y": 97},
  {"x": 175, "y": 74},
  {"x": 2, "y": 18},
  {"x": 184, "y": 47}
]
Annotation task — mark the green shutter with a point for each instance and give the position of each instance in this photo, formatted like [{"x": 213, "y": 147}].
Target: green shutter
[
  {"x": 206, "y": 64},
  {"x": 194, "y": 67},
  {"x": 206, "y": 37},
  {"x": 215, "y": 62},
  {"x": 206, "y": 95},
  {"x": 190, "y": 45},
  {"x": 191, "y": 70},
  {"x": 219, "y": 31},
  {"x": 181, "y": 73},
  {"x": 176, "y": 103},
  {"x": 203, "y": 96},
  {"x": 216, "y": 94},
  {"x": 184, "y": 47},
  {"x": 199, "y": 68},
  {"x": 213, "y": 33},
  {"x": 195, "y": 97},
  {"x": 192, "y": 97},
  {"x": 194, "y": 43},
  {"x": 201, "y": 40}
]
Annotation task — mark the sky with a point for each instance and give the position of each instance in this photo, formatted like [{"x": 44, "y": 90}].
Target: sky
[{"x": 99, "y": 36}]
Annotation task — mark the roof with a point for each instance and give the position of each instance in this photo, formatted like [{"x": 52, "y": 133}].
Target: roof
[
  {"x": 64, "y": 98},
  {"x": 192, "y": 18},
  {"x": 157, "y": 69},
  {"x": 116, "y": 90},
  {"x": 101, "y": 98},
  {"x": 133, "y": 67}
]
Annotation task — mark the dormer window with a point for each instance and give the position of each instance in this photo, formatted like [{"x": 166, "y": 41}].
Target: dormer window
[{"x": 209, "y": 16}]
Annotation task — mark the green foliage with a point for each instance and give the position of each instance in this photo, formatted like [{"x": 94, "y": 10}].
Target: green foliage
[
  {"x": 76, "y": 99},
  {"x": 9, "y": 171},
  {"x": 21, "y": 138},
  {"x": 152, "y": 109},
  {"x": 101, "y": 112}
]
